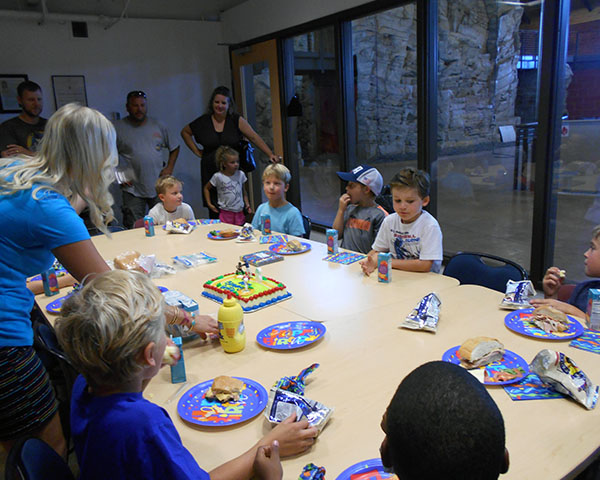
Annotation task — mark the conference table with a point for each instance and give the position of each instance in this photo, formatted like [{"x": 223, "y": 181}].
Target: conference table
[{"x": 363, "y": 356}]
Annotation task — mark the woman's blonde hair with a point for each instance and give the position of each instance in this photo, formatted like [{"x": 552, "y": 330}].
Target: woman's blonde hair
[
  {"x": 76, "y": 158},
  {"x": 104, "y": 327},
  {"x": 221, "y": 156},
  {"x": 277, "y": 170}
]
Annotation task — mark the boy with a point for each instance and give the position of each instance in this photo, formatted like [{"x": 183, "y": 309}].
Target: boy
[
  {"x": 443, "y": 424},
  {"x": 285, "y": 218},
  {"x": 358, "y": 217},
  {"x": 171, "y": 206},
  {"x": 113, "y": 332},
  {"x": 554, "y": 278},
  {"x": 412, "y": 236}
]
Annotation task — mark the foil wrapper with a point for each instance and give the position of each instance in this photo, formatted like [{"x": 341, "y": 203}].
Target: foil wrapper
[
  {"x": 176, "y": 227},
  {"x": 425, "y": 315},
  {"x": 517, "y": 294},
  {"x": 562, "y": 374},
  {"x": 283, "y": 403}
]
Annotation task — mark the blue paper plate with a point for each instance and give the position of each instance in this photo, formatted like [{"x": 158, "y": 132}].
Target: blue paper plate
[
  {"x": 361, "y": 470},
  {"x": 518, "y": 322},
  {"x": 290, "y": 335},
  {"x": 210, "y": 236},
  {"x": 283, "y": 249},
  {"x": 509, "y": 360},
  {"x": 194, "y": 408}
]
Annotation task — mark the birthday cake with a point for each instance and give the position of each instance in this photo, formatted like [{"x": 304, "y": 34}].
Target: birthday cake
[{"x": 251, "y": 290}]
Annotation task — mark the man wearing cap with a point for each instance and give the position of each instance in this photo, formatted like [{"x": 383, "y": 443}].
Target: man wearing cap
[
  {"x": 358, "y": 217},
  {"x": 145, "y": 153},
  {"x": 21, "y": 135}
]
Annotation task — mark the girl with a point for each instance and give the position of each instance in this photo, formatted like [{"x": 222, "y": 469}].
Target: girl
[{"x": 231, "y": 189}]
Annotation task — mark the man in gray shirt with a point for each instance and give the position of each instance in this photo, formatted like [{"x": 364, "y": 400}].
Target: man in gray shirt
[{"x": 145, "y": 153}]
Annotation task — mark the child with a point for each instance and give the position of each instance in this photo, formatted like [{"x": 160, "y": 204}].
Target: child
[
  {"x": 577, "y": 303},
  {"x": 230, "y": 183},
  {"x": 412, "y": 236},
  {"x": 442, "y": 423},
  {"x": 358, "y": 217},
  {"x": 171, "y": 206},
  {"x": 113, "y": 332},
  {"x": 285, "y": 218}
]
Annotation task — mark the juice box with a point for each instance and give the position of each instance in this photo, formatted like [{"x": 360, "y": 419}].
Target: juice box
[
  {"x": 149, "y": 226},
  {"x": 593, "y": 309},
  {"x": 266, "y": 224},
  {"x": 178, "y": 370},
  {"x": 50, "y": 282},
  {"x": 384, "y": 267},
  {"x": 332, "y": 241}
]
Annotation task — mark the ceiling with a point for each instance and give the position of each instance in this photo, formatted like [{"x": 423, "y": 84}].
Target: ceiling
[{"x": 208, "y": 10}]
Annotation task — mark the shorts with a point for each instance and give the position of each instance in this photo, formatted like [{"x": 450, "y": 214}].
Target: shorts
[
  {"x": 27, "y": 401},
  {"x": 234, "y": 218}
]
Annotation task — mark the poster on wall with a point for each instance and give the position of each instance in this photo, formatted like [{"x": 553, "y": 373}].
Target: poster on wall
[
  {"x": 8, "y": 92},
  {"x": 68, "y": 89}
]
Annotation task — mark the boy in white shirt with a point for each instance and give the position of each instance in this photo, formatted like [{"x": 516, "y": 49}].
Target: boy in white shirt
[
  {"x": 171, "y": 206},
  {"x": 412, "y": 235}
]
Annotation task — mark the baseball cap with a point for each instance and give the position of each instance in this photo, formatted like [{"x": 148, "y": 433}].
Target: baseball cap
[{"x": 366, "y": 175}]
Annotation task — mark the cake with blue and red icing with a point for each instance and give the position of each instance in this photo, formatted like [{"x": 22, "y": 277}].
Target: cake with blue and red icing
[{"x": 251, "y": 291}]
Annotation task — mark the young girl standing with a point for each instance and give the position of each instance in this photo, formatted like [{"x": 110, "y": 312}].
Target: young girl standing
[{"x": 230, "y": 182}]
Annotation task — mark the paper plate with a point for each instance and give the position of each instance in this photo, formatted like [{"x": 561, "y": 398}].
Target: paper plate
[
  {"x": 194, "y": 408},
  {"x": 517, "y": 322},
  {"x": 283, "y": 249},
  {"x": 366, "y": 470},
  {"x": 210, "y": 236},
  {"x": 509, "y": 360},
  {"x": 191, "y": 222},
  {"x": 290, "y": 335}
]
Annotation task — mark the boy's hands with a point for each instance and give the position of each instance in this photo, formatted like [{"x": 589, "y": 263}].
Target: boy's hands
[
  {"x": 267, "y": 465},
  {"x": 368, "y": 265},
  {"x": 293, "y": 437},
  {"x": 344, "y": 202},
  {"x": 552, "y": 282}
]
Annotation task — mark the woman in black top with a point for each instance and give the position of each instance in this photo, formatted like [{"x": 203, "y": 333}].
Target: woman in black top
[{"x": 221, "y": 125}]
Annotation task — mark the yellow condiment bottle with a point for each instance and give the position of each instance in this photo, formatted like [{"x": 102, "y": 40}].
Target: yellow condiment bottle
[{"x": 232, "y": 333}]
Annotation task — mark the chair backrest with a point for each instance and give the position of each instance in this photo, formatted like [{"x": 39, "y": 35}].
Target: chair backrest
[
  {"x": 33, "y": 459},
  {"x": 482, "y": 269},
  {"x": 139, "y": 223},
  {"x": 307, "y": 226}
]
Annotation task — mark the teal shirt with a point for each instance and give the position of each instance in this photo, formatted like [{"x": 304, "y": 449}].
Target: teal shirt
[{"x": 285, "y": 219}]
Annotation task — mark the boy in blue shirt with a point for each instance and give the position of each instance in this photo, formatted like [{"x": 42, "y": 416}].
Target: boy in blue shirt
[
  {"x": 358, "y": 218},
  {"x": 285, "y": 218},
  {"x": 113, "y": 332},
  {"x": 443, "y": 424},
  {"x": 554, "y": 279}
]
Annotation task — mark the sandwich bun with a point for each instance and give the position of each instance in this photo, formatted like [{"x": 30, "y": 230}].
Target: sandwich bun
[
  {"x": 479, "y": 351},
  {"x": 549, "y": 319},
  {"x": 225, "y": 388}
]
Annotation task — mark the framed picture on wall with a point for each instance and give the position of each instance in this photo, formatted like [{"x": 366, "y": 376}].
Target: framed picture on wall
[
  {"x": 8, "y": 92},
  {"x": 68, "y": 89}
]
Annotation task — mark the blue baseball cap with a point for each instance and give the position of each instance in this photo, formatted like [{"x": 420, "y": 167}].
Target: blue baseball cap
[{"x": 366, "y": 175}]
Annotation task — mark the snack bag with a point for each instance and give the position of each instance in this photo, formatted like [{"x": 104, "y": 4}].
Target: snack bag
[
  {"x": 178, "y": 227},
  {"x": 132, "y": 260},
  {"x": 296, "y": 384},
  {"x": 562, "y": 374},
  {"x": 425, "y": 315},
  {"x": 517, "y": 294},
  {"x": 312, "y": 472},
  {"x": 194, "y": 259},
  {"x": 282, "y": 404}
]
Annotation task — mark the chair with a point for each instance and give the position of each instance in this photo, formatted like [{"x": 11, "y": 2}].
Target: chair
[
  {"x": 384, "y": 199},
  {"x": 565, "y": 291},
  {"x": 482, "y": 269},
  {"x": 307, "y": 226},
  {"x": 139, "y": 223},
  {"x": 33, "y": 459}
]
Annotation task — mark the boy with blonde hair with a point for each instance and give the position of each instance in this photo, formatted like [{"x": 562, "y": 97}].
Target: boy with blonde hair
[
  {"x": 171, "y": 206},
  {"x": 285, "y": 218},
  {"x": 359, "y": 218},
  {"x": 113, "y": 332},
  {"x": 411, "y": 235},
  {"x": 577, "y": 303}
]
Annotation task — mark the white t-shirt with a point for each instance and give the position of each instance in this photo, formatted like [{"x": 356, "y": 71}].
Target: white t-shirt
[
  {"x": 229, "y": 190},
  {"x": 421, "y": 239},
  {"x": 161, "y": 216}
]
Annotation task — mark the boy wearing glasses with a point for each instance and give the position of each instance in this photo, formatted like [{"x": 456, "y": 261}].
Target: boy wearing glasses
[{"x": 146, "y": 151}]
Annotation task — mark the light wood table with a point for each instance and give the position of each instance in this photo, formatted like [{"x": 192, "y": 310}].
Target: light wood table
[{"x": 363, "y": 357}]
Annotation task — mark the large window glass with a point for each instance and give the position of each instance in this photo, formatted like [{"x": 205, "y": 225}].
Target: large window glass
[{"x": 487, "y": 73}]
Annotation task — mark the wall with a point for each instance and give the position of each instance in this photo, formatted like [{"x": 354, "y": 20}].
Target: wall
[{"x": 177, "y": 63}]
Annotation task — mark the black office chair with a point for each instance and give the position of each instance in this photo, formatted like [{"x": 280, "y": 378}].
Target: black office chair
[
  {"x": 33, "y": 459},
  {"x": 384, "y": 199},
  {"x": 482, "y": 269},
  {"x": 307, "y": 226}
]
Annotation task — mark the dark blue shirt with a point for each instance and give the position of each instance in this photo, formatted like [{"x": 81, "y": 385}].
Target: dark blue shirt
[{"x": 579, "y": 296}]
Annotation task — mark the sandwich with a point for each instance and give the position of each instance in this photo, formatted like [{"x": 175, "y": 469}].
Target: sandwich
[
  {"x": 549, "y": 319},
  {"x": 479, "y": 351},
  {"x": 294, "y": 245},
  {"x": 182, "y": 221},
  {"x": 228, "y": 233},
  {"x": 225, "y": 388}
]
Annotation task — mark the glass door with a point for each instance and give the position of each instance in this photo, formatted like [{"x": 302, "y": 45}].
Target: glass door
[{"x": 256, "y": 91}]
